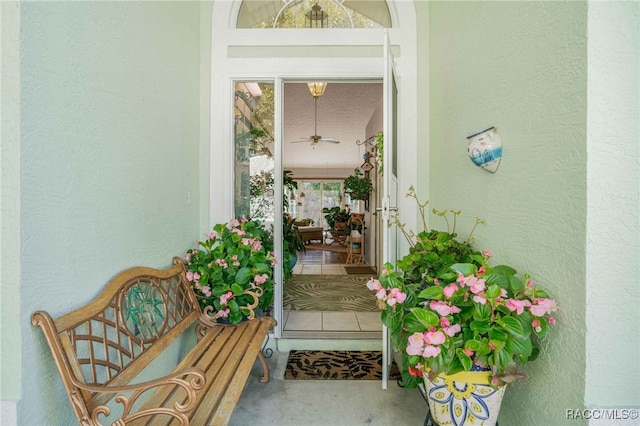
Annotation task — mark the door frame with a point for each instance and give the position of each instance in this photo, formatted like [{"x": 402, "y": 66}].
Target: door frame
[{"x": 282, "y": 55}]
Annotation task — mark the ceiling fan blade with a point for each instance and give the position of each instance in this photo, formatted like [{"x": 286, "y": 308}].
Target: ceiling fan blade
[
  {"x": 329, "y": 140},
  {"x": 301, "y": 141}
]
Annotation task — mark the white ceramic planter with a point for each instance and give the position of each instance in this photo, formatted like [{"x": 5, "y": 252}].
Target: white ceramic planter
[{"x": 464, "y": 399}]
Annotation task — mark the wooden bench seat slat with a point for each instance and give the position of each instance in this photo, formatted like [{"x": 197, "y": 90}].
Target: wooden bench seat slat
[{"x": 98, "y": 352}]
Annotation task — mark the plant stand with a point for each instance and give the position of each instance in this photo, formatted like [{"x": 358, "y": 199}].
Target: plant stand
[{"x": 355, "y": 244}]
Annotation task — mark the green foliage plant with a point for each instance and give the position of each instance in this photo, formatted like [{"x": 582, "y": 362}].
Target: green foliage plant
[
  {"x": 231, "y": 271},
  {"x": 448, "y": 310},
  {"x": 358, "y": 186}
]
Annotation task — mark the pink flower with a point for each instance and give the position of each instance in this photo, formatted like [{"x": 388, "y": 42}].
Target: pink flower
[
  {"x": 241, "y": 232},
  {"x": 453, "y": 330},
  {"x": 224, "y": 299},
  {"x": 234, "y": 223},
  {"x": 492, "y": 346},
  {"x": 479, "y": 298},
  {"x": 543, "y": 306},
  {"x": 415, "y": 344},
  {"x": 434, "y": 338},
  {"x": 244, "y": 219},
  {"x": 517, "y": 305},
  {"x": 381, "y": 294},
  {"x": 552, "y": 321},
  {"x": 449, "y": 290},
  {"x": 444, "y": 322},
  {"x": 436, "y": 281},
  {"x": 374, "y": 284},
  {"x": 530, "y": 283},
  {"x": 222, "y": 263},
  {"x": 187, "y": 257},
  {"x": 487, "y": 253},
  {"x": 384, "y": 272},
  {"x": 222, "y": 313},
  {"x": 482, "y": 271},
  {"x": 245, "y": 242},
  {"x": 476, "y": 285},
  {"x": 431, "y": 351},
  {"x": 206, "y": 290},
  {"x": 257, "y": 245},
  {"x": 211, "y": 235},
  {"x": 260, "y": 279},
  {"x": 395, "y": 296},
  {"x": 190, "y": 276},
  {"x": 440, "y": 307},
  {"x": 536, "y": 325},
  {"x": 469, "y": 352},
  {"x": 196, "y": 276},
  {"x": 234, "y": 257}
]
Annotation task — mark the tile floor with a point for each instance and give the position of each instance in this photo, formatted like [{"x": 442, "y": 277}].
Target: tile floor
[{"x": 347, "y": 325}]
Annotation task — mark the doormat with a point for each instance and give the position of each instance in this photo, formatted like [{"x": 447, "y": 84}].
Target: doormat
[
  {"x": 337, "y": 365},
  {"x": 362, "y": 269}
]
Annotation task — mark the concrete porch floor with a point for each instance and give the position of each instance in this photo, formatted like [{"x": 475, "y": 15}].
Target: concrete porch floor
[{"x": 324, "y": 402}]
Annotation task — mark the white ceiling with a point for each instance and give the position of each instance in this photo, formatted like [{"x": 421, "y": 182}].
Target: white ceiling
[{"x": 344, "y": 110}]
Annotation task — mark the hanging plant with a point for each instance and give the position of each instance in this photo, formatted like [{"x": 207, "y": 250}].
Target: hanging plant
[{"x": 357, "y": 186}]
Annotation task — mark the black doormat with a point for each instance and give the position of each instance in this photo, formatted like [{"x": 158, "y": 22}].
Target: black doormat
[
  {"x": 337, "y": 365},
  {"x": 361, "y": 269}
]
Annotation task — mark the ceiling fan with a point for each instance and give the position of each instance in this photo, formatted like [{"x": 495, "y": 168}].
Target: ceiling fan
[{"x": 316, "y": 89}]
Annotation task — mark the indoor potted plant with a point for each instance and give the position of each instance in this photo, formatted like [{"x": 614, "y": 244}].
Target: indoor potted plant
[
  {"x": 357, "y": 186},
  {"x": 231, "y": 271},
  {"x": 460, "y": 318}
]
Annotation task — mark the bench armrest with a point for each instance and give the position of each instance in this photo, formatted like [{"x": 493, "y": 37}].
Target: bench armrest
[{"x": 191, "y": 385}]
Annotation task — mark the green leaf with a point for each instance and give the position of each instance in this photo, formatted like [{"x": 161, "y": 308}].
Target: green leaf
[
  {"x": 244, "y": 275},
  {"x": 481, "y": 327},
  {"x": 465, "y": 360},
  {"x": 465, "y": 268},
  {"x": 481, "y": 312},
  {"x": 515, "y": 283},
  {"x": 522, "y": 347},
  {"x": 493, "y": 291},
  {"x": 412, "y": 324},
  {"x": 236, "y": 289},
  {"x": 427, "y": 318},
  {"x": 431, "y": 293},
  {"x": 472, "y": 345},
  {"x": 512, "y": 325},
  {"x": 504, "y": 270},
  {"x": 497, "y": 335},
  {"x": 233, "y": 306},
  {"x": 497, "y": 279}
]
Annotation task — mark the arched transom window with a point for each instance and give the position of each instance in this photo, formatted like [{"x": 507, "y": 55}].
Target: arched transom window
[{"x": 314, "y": 14}]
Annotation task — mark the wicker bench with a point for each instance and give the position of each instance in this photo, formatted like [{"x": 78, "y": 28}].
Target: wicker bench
[
  {"x": 309, "y": 233},
  {"x": 101, "y": 347}
]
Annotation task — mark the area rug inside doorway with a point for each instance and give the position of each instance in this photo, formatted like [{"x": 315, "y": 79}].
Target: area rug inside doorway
[
  {"x": 329, "y": 293},
  {"x": 337, "y": 365},
  {"x": 360, "y": 269}
]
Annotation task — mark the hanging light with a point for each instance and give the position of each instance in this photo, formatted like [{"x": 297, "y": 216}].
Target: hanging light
[
  {"x": 316, "y": 17},
  {"x": 317, "y": 89}
]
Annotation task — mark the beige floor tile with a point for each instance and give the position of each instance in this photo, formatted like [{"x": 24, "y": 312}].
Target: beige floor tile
[
  {"x": 369, "y": 321},
  {"x": 339, "y": 321},
  {"x": 332, "y": 270},
  {"x": 303, "y": 321},
  {"x": 312, "y": 270}
]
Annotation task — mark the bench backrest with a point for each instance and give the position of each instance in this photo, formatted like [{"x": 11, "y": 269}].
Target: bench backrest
[{"x": 110, "y": 340}]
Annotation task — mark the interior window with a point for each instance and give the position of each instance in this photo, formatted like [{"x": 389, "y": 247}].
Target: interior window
[
  {"x": 314, "y": 14},
  {"x": 254, "y": 164}
]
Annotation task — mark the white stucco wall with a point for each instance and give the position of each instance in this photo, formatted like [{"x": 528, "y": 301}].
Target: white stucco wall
[
  {"x": 109, "y": 155},
  {"x": 522, "y": 67},
  {"x": 613, "y": 208}
]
